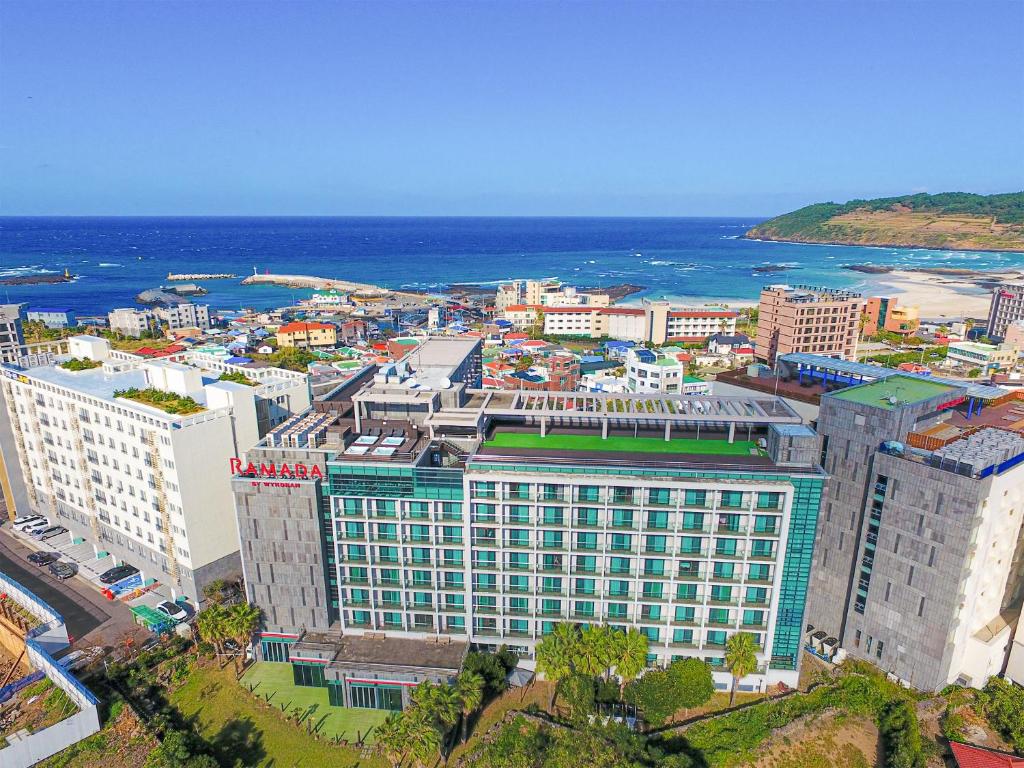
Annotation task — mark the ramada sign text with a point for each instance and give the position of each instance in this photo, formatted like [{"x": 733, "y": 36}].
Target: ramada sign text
[{"x": 293, "y": 471}]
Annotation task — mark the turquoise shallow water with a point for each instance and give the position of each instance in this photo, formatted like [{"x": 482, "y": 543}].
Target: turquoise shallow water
[{"x": 684, "y": 258}]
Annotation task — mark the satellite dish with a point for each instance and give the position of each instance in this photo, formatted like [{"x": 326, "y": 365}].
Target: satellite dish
[{"x": 446, "y": 383}]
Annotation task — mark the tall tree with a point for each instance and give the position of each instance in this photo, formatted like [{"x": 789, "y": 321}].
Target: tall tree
[
  {"x": 392, "y": 739},
  {"x": 597, "y": 650},
  {"x": 212, "y": 625},
  {"x": 242, "y": 621},
  {"x": 740, "y": 658},
  {"x": 470, "y": 687},
  {"x": 556, "y": 654},
  {"x": 630, "y": 655},
  {"x": 423, "y": 738}
]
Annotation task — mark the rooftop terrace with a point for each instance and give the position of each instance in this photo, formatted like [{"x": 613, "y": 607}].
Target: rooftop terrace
[
  {"x": 894, "y": 391},
  {"x": 570, "y": 442}
]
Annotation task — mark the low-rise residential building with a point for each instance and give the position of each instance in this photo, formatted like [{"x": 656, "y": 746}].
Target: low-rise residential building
[
  {"x": 985, "y": 356},
  {"x": 307, "y": 334},
  {"x": 723, "y": 344},
  {"x": 53, "y": 318},
  {"x": 803, "y": 318},
  {"x": 657, "y": 370},
  {"x": 130, "y": 322},
  {"x": 12, "y": 338},
  {"x": 884, "y": 314},
  {"x": 452, "y": 514},
  {"x": 184, "y": 315},
  {"x": 545, "y": 293},
  {"x": 917, "y": 562},
  {"x": 1014, "y": 335},
  {"x": 122, "y": 453}
]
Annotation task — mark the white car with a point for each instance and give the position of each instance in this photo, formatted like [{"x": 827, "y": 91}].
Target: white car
[
  {"x": 172, "y": 611},
  {"x": 21, "y": 520},
  {"x": 34, "y": 527}
]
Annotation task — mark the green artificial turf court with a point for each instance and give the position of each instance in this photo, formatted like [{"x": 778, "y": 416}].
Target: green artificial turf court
[{"x": 557, "y": 442}]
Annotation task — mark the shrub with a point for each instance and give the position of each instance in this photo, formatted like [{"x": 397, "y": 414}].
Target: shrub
[{"x": 80, "y": 364}]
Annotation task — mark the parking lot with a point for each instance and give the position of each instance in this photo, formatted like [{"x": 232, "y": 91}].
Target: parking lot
[{"x": 91, "y": 618}]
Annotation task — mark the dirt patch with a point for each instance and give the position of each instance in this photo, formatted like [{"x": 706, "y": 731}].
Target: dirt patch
[{"x": 831, "y": 740}]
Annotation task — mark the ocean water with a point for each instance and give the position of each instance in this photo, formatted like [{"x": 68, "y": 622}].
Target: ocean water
[{"x": 693, "y": 260}]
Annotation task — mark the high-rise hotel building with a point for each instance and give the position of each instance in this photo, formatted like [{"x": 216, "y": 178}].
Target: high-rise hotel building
[
  {"x": 919, "y": 562},
  {"x": 418, "y": 506},
  {"x": 134, "y": 480}
]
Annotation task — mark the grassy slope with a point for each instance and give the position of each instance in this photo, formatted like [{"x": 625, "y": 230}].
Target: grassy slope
[
  {"x": 229, "y": 717},
  {"x": 950, "y": 220}
]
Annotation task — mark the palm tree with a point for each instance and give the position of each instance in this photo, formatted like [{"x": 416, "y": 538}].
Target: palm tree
[
  {"x": 392, "y": 739},
  {"x": 422, "y": 737},
  {"x": 630, "y": 655},
  {"x": 596, "y": 649},
  {"x": 470, "y": 687},
  {"x": 212, "y": 625},
  {"x": 243, "y": 619},
  {"x": 556, "y": 653},
  {"x": 741, "y": 658}
]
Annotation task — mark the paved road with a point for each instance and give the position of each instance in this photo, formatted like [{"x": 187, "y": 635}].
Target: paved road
[{"x": 85, "y": 610}]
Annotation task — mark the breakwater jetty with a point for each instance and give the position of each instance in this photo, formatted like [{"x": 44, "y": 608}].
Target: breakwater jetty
[
  {"x": 326, "y": 284},
  {"x": 200, "y": 276}
]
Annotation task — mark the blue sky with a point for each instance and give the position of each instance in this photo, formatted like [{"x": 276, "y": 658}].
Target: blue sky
[{"x": 503, "y": 108}]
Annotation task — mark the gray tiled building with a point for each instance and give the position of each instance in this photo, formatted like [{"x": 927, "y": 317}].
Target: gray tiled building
[{"x": 918, "y": 561}]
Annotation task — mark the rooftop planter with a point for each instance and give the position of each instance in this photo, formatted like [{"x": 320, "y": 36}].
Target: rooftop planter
[
  {"x": 168, "y": 402},
  {"x": 80, "y": 364}
]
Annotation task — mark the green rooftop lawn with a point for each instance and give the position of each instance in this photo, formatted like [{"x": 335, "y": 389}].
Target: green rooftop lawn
[
  {"x": 623, "y": 444},
  {"x": 905, "y": 389}
]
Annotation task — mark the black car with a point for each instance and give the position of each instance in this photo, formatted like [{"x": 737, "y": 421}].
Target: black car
[
  {"x": 117, "y": 573},
  {"x": 43, "y": 558},
  {"x": 63, "y": 570}
]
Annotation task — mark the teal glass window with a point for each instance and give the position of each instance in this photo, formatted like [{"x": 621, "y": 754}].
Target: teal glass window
[
  {"x": 685, "y": 613},
  {"x": 484, "y": 513},
  {"x": 387, "y": 554},
  {"x": 554, "y": 516},
  {"x": 483, "y": 489},
  {"x": 686, "y": 591},
  {"x": 732, "y": 499},
  {"x": 553, "y": 540},
  {"x": 518, "y": 513},
  {"x": 352, "y": 506},
  {"x": 617, "y": 611},
  {"x": 657, "y": 544},
  {"x": 358, "y": 575},
  {"x": 653, "y": 634},
  {"x": 451, "y": 534},
  {"x": 355, "y": 531},
  {"x": 518, "y": 537},
  {"x": 690, "y": 545},
  {"x": 550, "y": 605},
  {"x": 724, "y": 571},
  {"x": 452, "y": 558},
  {"x": 551, "y": 584},
  {"x": 657, "y": 521},
  {"x": 659, "y": 496},
  {"x": 384, "y": 508},
  {"x": 716, "y": 637},
  {"x": 451, "y": 510},
  {"x": 586, "y": 516},
  {"x": 391, "y": 598},
  {"x": 654, "y": 567},
  {"x": 695, "y": 498},
  {"x": 718, "y": 615},
  {"x": 622, "y": 518},
  {"x": 721, "y": 593},
  {"x": 519, "y": 561},
  {"x": 421, "y": 555},
  {"x": 756, "y": 595},
  {"x": 759, "y": 572},
  {"x": 519, "y": 583},
  {"x": 418, "y": 509},
  {"x": 358, "y": 596},
  {"x": 618, "y": 588},
  {"x": 753, "y": 618},
  {"x": 584, "y": 609},
  {"x": 588, "y": 493},
  {"x": 421, "y": 579},
  {"x": 584, "y": 587},
  {"x": 621, "y": 565},
  {"x": 389, "y": 576},
  {"x": 682, "y": 636},
  {"x": 485, "y": 559},
  {"x": 693, "y": 521},
  {"x": 621, "y": 541},
  {"x": 769, "y": 500},
  {"x": 551, "y": 562},
  {"x": 392, "y": 619},
  {"x": 518, "y": 604},
  {"x": 518, "y": 627},
  {"x": 729, "y": 523},
  {"x": 456, "y": 623},
  {"x": 762, "y": 548},
  {"x": 586, "y": 564},
  {"x": 653, "y": 590},
  {"x": 455, "y": 602},
  {"x": 387, "y": 531},
  {"x": 419, "y": 532},
  {"x": 421, "y": 600},
  {"x": 726, "y": 547},
  {"x": 454, "y": 580},
  {"x": 360, "y": 618},
  {"x": 485, "y": 581},
  {"x": 586, "y": 540}
]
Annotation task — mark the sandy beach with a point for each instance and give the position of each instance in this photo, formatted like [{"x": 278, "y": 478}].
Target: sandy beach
[{"x": 939, "y": 296}]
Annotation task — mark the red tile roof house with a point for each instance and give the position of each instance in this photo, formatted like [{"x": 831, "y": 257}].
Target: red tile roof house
[{"x": 969, "y": 756}]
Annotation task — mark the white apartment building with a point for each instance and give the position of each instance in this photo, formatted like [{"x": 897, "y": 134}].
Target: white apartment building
[
  {"x": 12, "y": 342},
  {"x": 656, "y": 322},
  {"x": 129, "y": 321},
  {"x": 654, "y": 370},
  {"x": 185, "y": 315},
  {"x": 147, "y": 486},
  {"x": 546, "y": 293}
]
